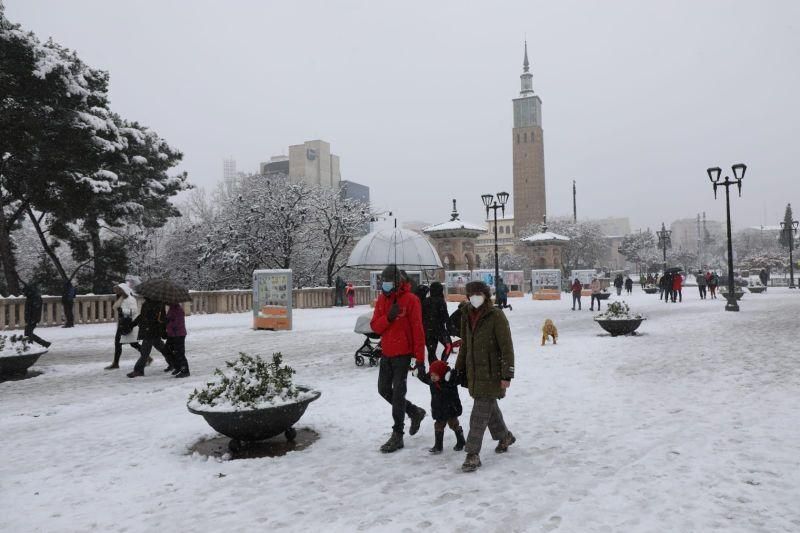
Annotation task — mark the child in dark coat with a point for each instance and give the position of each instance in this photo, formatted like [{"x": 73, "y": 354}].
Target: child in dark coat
[{"x": 445, "y": 404}]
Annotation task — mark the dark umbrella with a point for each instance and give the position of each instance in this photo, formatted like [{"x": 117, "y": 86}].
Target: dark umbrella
[
  {"x": 163, "y": 290},
  {"x": 673, "y": 270}
]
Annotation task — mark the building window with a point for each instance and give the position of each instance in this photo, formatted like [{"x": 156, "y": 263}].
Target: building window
[
  {"x": 517, "y": 138},
  {"x": 531, "y": 136},
  {"x": 525, "y": 137},
  {"x": 508, "y": 230}
]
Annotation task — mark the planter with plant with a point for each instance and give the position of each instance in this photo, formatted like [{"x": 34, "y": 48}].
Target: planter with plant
[
  {"x": 756, "y": 287},
  {"x": 17, "y": 355},
  {"x": 618, "y": 319},
  {"x": 252, "y": 399}
]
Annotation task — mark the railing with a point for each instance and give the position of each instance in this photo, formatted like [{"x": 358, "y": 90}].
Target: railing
[{"x": 96, "y": 309}]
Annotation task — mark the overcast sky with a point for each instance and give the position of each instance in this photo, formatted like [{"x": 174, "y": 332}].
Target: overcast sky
[{"x": 639, "y": 98}]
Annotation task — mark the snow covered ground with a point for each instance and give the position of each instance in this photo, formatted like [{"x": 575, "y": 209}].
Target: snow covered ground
[{"x": 692, "y": 426}]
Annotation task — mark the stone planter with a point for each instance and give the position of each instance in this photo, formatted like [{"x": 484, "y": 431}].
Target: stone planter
[
  {"x": 619, "y": 327},
  {"x": 756, "y": 290},
  {"x": 18, "y": 365},
  {"x": 738, "y": 294},
  {"x": 258, "y": 424},
  {"x": 604, "y": 295},
  {"x": 651, "y": 290}
]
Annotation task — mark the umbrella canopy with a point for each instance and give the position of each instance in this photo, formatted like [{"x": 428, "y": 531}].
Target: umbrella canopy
[
  {"x": 673, "y": 270},
  {"x": 402, "y": 247},
  {"x": 163, "y": 290}
]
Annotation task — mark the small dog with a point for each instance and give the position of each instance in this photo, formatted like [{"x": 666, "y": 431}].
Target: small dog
[{"x": 549, "y": 330}]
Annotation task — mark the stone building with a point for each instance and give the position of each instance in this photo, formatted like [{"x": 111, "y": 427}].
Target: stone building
[{"x": 455, "y": 241}]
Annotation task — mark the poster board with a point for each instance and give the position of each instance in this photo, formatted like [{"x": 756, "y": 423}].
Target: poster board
[
  {"x": 486, "y": 276},
  {"x": 584, "y": 276},
  {"x": 515, "y": 279},
  {"x": 546, "y": 284},
  {"x": 272, "y": 299},
  {"x": 456, "y": 281}
]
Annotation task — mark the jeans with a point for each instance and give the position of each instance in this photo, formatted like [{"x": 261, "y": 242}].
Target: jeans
[
  {"x": 392, "y": 376},
  {"x": 176, "y": 346},
  {"x": 576, "y": 297},
  {"x": 147, "y": 346},
  {"x": 32, "y": 336},
  {"x": 595, "y": 297},
  {"x": 485, "y": 413}
]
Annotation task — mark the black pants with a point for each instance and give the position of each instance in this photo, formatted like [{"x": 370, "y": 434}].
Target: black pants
[
  {"x": 702, "y": 289},
  {"x": 69, "y": 317},
  {"x": 595, "y": 297},
  {"x": 576, "y": 298},
  {"x": 432, "y": 344},
  {"x": 118, "y": 346},
  {"x": 176, "y": 346},
  {"x": 32, "y": 336},
  {"x": 147, "y": 346},
  {"x": 392, "y": 376}
]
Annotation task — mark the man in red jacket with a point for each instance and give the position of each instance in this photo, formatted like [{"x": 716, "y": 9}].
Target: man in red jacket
[{"x": 398, "y": 320}]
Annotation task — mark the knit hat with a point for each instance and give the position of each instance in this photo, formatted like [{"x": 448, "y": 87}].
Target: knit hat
[{"x": 439, "y": 368}]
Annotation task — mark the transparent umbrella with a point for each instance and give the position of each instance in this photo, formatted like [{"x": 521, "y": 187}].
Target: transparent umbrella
[{"x": 402, "y": 247}]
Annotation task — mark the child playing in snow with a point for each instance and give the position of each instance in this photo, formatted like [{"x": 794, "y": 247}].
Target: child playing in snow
[{"x": 445, "y": 404}]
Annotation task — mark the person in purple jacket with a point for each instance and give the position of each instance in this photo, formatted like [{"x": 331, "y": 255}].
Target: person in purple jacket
[{"x": 176, "y": 340}]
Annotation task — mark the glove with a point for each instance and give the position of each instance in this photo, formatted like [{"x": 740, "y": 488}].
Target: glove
[
  {"x": 394, "y": 310},
  {"x": 419, "y": 368}
]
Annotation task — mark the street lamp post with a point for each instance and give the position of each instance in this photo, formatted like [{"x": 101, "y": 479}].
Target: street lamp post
[
  {"x": 490, "y": 203},
  {"x": 664, "y": 242},
  {"x": 738, "y": 175},
  {"x": 789, "y": 232}
]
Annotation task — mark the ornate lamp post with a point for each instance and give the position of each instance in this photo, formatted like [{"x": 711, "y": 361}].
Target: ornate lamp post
[
  {"x": 738, "y": 175},
  {"x": 664, "y": 242},
  {"x": 789, "y": 231},
  {"x": 490, "y": 203}
]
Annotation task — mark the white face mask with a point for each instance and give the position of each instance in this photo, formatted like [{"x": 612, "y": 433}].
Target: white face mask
[{"x": 476, "y": 300}]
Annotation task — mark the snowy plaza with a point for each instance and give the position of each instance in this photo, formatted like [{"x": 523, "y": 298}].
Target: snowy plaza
[{"x": 690, "y": 426}]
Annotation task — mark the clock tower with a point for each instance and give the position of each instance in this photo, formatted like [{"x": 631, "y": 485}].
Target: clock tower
[{"x": 527, "y": 139}]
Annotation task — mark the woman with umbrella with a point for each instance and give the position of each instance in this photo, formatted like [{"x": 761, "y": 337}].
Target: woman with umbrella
[{"x": 152, "y": 320}]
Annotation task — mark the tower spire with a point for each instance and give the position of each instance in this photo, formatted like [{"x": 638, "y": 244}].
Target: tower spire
[{"x": 525, "y": 63}]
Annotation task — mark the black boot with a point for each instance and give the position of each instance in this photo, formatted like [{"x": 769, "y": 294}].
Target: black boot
[
  {"x": 438, "y": 442},
  {"x": 394, "y": 443},
  {"x": 416, "y": 420},
  {"x": 460, "y": 442}
]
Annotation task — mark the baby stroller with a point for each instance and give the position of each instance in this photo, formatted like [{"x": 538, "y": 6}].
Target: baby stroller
[{"x": 369, "y": 350}]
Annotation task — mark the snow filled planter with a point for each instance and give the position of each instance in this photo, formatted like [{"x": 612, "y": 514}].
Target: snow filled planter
[
  {"x": 618, "y": 319},
  {"x": 603, "y": 295},
  {"x": 17, "y": 356},
  {"x": 252, "y": 400},
  {"x": 738, "y": 294},
  {"x": 651, "y": 290}
]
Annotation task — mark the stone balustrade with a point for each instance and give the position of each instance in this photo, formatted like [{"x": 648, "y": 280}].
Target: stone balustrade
[{"x": 97, "y": 308}]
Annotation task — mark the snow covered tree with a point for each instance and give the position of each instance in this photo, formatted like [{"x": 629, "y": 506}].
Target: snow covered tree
[
  {"x": 787, "y": 236},
  {"x": 585, "y": 247},
  {"x": 640, "y": 249}
]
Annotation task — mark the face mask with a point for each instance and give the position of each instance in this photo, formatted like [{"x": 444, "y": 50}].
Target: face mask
[
  {"x": 387, "y": 286},
  {"x": 476, "y": 300}
]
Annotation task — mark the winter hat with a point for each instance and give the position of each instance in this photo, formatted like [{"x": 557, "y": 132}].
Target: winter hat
[
  {"x": 437, "y": 289},
  {"x": 439, "y": 368}
]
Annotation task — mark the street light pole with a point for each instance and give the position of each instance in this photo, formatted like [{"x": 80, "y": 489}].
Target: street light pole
[
  {"x": 490, "y": 203},
  {"x": 789, "y": 232},
  {"x": 714, "y": 175},
  {"x": 664, "y": 241}
]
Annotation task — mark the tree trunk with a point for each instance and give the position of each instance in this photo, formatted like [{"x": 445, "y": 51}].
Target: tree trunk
[
  {"x": 8, "y": 258},
  {"x": 93, "y": 229},
  {"x": 47, "y": 248}
]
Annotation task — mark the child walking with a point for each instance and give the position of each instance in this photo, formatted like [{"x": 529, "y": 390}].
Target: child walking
[
  {"x": 176, "y": 340},
  {"x": 445, "y": 404}
]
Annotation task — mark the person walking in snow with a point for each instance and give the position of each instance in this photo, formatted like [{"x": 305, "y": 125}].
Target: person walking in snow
[
  {"x": 701, "y": 284},
  {"x": 763, "y": 276},
  {"x": 629, "y": 285},
  {"x": 486, "y": 362},
  {"x": 339, "y": 286},
  {"x": 677, "y": 287},
  {"x": 176, "y": 340},
  {"x": 350, "y": 292},
  {"x": 398, "y": 320},
  {"x": 596, "y": 289},
  {"x": 68, "y": 302},
  {"x": 152, "y": 323},
  {"x": 436, "y": 321},
  {"x": 127, "y": 309},
  {"x": 576, "y": 293},
  {"x": 618, "y": 283},
  {"x": 33, "y": 312},
  {"x": 501, "y": 296},
  {"x": 712, "y": 280},
  {"x": 445, "y": 404}
]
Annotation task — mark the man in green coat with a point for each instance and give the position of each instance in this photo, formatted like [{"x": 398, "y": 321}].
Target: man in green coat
[{"x": 486, "y": 359}]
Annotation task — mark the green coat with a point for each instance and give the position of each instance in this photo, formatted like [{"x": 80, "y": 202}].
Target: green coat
[{"x": 486, "y": 354}]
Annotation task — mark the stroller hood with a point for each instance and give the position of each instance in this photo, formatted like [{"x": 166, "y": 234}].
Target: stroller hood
[{"x": 362, "y": 324}]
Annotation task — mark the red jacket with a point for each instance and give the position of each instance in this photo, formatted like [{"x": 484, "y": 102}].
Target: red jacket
[
  {"x": 404, "y": 336},
  {"x": 576, "y": 287},
  {"x": 677, "y": 282}
]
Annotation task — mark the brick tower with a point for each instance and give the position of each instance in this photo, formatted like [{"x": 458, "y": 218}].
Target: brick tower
[{"x": 527, "y": 139}]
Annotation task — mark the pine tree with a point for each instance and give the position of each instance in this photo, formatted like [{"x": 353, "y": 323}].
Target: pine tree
[{"x": 787, "y": 235}]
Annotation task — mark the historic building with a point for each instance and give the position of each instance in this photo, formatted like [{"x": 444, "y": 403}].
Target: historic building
[
  {"x": 527, "y": 137},
  {"x": 455, "y": 241}
]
